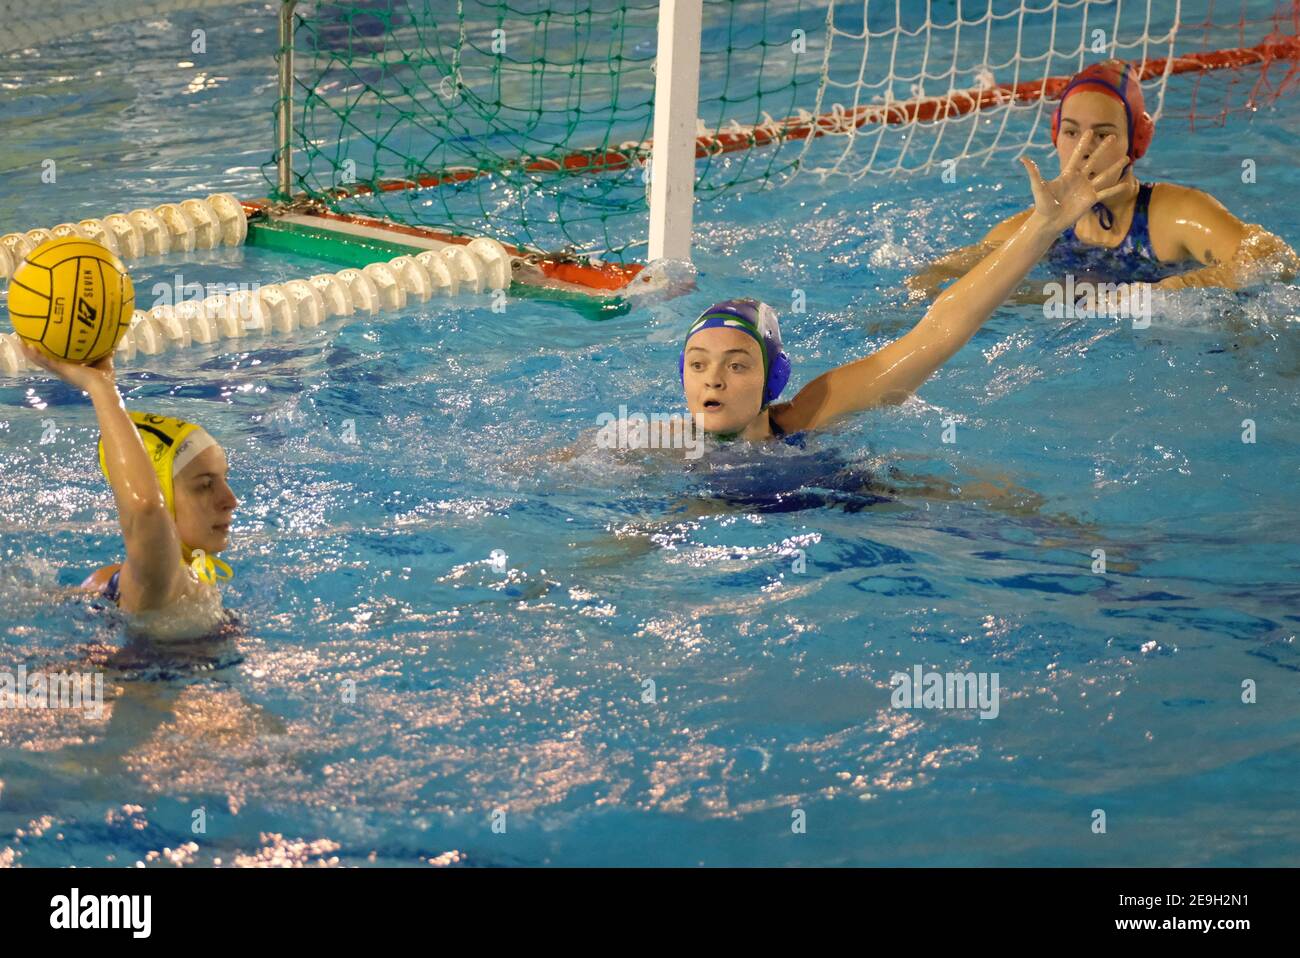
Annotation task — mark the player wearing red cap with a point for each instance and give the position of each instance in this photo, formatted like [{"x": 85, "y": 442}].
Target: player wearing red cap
[{"x": 1161, "y": 233}]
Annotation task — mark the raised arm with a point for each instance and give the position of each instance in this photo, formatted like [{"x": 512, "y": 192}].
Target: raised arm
[
  {"x": 153, "y": 547},
  {"x": 892, "y": 373}
]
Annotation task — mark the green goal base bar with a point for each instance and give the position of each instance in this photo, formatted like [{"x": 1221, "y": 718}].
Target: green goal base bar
[{"x": 349, "y": 243}]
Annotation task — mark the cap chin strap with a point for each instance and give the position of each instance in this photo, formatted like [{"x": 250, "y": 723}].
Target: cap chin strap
[
  {"x": 210, "y": 569},
  {"x": 1105, "y": 218}
]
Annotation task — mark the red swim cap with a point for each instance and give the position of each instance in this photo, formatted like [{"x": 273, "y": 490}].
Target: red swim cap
[{"x": 1119, "y": 80}]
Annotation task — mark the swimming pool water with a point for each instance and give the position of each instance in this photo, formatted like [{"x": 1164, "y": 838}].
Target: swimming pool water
[{"x": 388, "y": 689}]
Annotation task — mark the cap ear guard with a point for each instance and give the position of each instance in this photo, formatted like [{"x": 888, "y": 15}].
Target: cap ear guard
[
  {"x": 1144, "y": 130},
  {"x": 1141, "y": 128},
  {"x": 777, "y": 378}
]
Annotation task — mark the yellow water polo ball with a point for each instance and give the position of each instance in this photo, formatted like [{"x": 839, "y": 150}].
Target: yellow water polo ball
[{"x": 72, "y": 298}]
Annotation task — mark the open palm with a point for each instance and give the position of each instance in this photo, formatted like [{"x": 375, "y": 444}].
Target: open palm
[{"x": 1063, "y": 200}]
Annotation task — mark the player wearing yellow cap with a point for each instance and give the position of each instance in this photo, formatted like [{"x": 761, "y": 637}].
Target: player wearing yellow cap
[{"x": 174, "y": 504}]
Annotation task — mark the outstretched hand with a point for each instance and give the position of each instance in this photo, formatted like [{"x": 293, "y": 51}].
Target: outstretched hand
[
  {"x": 1063, "y": 200},
  {"x": 81, "y": 375}
]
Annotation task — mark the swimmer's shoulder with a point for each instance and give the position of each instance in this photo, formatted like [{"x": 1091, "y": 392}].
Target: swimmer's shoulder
[
  {"x": 1165, "y": 195},
  {"x": 789, "y": 419},
  {"x": 1007, "y": 228},
  {"x": 1173, "y": 200},
  {"x": 98, "y": 579},
  {"x": 1179, "y": 214}
]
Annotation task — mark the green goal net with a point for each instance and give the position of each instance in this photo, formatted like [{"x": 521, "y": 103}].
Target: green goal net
[
  {"x": 530, "y": 121},
  {"x": 490, "y": 118}
]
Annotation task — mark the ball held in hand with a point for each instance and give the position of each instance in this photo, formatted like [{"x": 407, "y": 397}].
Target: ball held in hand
[{"x": 72, "y": 298}]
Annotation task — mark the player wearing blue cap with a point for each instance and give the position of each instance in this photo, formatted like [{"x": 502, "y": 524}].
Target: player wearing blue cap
[{"x": 733, "y": 367}]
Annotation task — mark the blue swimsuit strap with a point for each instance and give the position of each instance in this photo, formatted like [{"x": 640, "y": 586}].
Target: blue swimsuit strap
[
  {"x": 790, "y": 439},
  {"x": 1139, "y": 230}
]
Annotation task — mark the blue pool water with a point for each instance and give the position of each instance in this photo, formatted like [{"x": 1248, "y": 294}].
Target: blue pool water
[{"x": 366, "y": 565}]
